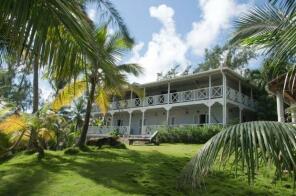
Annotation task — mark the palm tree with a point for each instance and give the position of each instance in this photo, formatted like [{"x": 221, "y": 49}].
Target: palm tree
[
  {"x": 36, "y": 30},
  {"x": 271, "y": 28},
  {"x": 104, "y": 76},
  {"x": 248, "y": 146}
]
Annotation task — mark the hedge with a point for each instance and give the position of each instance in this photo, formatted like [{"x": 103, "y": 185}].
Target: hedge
[{"x": 188, "y": 134}]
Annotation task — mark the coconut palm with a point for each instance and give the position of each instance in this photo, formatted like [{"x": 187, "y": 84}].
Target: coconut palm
[
  {"x": 105, "y": 77},
  {"x": 249, "y": 145},
  {"x": 50, "y": 32},
  {"x": 271, "y": 27}
]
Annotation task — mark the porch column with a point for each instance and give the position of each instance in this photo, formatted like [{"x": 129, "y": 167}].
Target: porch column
[
  {"x": 112, "y": 119},
  {"x": 210, "y": 116},
  {"x": 240, "y": 115},
  {"x": 130, "y": 122},
  {"x": 224, "y": 113},
  {"x": 280, "y": 107},
  {"x": 169, "y": 90},
  {"x": 143, "y": 120},
  {"x": 240, "y": 90},
  {"x": 293, "y": 115},
  {"x": 144, "y": 96},
  {"x": 210, "y": 96},
  {"x": 168, "y": 116}
]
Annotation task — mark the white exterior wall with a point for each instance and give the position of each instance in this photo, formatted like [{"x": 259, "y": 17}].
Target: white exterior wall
[{"x": 183, "y": 111}]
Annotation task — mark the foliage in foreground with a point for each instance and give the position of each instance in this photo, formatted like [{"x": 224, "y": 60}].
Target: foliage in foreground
[
  {"x": 247, "y": 145},
  {"x": 139, "y": 170},
  {"x": 188, "y": 134}
]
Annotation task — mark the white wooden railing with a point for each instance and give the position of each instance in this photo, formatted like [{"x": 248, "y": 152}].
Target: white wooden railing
[
  {"x": 236, "y": 96},
  {"x": 94, "y": 131},
  {"x": 176, "y": 97},
  {"x": 106, "y": 130},
  {"x": 184, "y": 96}
]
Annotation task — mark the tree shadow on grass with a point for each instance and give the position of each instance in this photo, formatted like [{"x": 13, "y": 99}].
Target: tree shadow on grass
[{"x": 127, "y": 171}]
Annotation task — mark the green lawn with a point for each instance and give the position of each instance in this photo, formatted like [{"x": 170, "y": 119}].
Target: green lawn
[{"x": 139, "y": 170}]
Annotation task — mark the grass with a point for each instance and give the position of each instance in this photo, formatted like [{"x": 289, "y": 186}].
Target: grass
[{"x": 139, "y": 170}]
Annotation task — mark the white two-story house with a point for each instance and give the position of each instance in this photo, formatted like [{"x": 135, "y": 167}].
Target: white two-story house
[{"x": 217, "y": 96}]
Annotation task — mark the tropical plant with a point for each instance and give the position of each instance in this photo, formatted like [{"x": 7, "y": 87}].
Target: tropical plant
[
  {"x": 271, "y": 28},
  {"x": 234, "y": 57},
  {"x": 104, "y": 77},
  {"x": 248, "y": 146},
  {"x": 54, "y": 33},
  {"x": 188, "y": 134}
]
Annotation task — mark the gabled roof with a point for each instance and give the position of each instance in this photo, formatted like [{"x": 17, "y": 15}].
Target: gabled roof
[{"x": 226, "y": 70}]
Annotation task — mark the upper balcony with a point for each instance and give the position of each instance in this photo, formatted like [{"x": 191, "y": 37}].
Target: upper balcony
[{"x": 200, "y": 94}]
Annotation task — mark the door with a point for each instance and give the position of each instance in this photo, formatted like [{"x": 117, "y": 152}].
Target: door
[
  {"x": 119, "y": 123},
  {"x": 203, "y": 119}
]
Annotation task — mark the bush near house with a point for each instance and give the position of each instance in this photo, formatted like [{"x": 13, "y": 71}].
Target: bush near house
[{"x": 188, "y": 134}]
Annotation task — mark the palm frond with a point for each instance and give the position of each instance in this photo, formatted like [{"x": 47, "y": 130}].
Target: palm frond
[
  {"x": 131, "y": 68},
  {"x": 68, "y": 94},
  {"x": 102, "y": 100},
  {"x": 248, "y": 145},
  {"x": 13, "y": 123}
]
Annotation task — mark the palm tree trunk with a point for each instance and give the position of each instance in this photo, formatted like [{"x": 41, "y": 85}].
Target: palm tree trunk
[
  {"x": 83, "y": 134},
  {"x": 34, "y": 137},
  {"x": 35, "y": 85}
]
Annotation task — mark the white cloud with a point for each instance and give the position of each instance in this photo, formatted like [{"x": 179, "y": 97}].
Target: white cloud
[
  {"x": 164, "y": 50},
  {"x": 216, "y": 17},
  {"x": 167, "y": 48},
  {"x": 92, "y": 13}
]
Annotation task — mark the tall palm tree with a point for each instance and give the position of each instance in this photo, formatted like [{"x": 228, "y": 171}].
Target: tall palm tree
[
  {"x": 37, "y": 31},
  {"x": 272, "y": 28},
  {"x": 105, "y": 77}
]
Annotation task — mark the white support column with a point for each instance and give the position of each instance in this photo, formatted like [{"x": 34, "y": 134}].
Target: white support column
[
  {"x": 169, "y": 90},
  {"x": 210, "y": 103},
  {"x": 240, "y": 115},
  {"x": 168, "y": 116},
  {"x": 293, "y": 115},
  {"x": 280, "y": 107},
  {"x": 112, "y": 119},
  {"x": 210, "y": 115},
  {"x": 130, "y": 122},
  {"x": 143, "y": 122},
  {"x": 240, "y": 90},
  {"x": 224, "y": 98},
  {"x": 144, "y": 97}
]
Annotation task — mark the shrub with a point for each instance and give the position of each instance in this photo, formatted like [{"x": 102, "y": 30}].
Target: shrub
[
  {"x": 71, "y": 151},
  {"x": 188, "y": 134},
  {"x": 109, "y": 141}
]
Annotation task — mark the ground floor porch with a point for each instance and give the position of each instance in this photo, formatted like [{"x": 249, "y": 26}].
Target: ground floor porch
[{"x": 145, "y": 122}]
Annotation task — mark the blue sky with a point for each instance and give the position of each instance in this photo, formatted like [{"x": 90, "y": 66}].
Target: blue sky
[{"x": 171, "y": 32}]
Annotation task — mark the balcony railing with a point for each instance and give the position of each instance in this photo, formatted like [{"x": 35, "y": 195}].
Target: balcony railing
[
  {"x": 236, "y": 96},
  {"x": 183, "y": 96},
  {"x": 174, "y": 97}
]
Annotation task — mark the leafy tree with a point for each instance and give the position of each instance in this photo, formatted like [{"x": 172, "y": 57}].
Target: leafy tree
[
  {"x": 231, "y": 56},
  {"x": 104, "y": 77},
  {"x": 15, "y": 86},
  {"x": 53, "y": 33}
]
